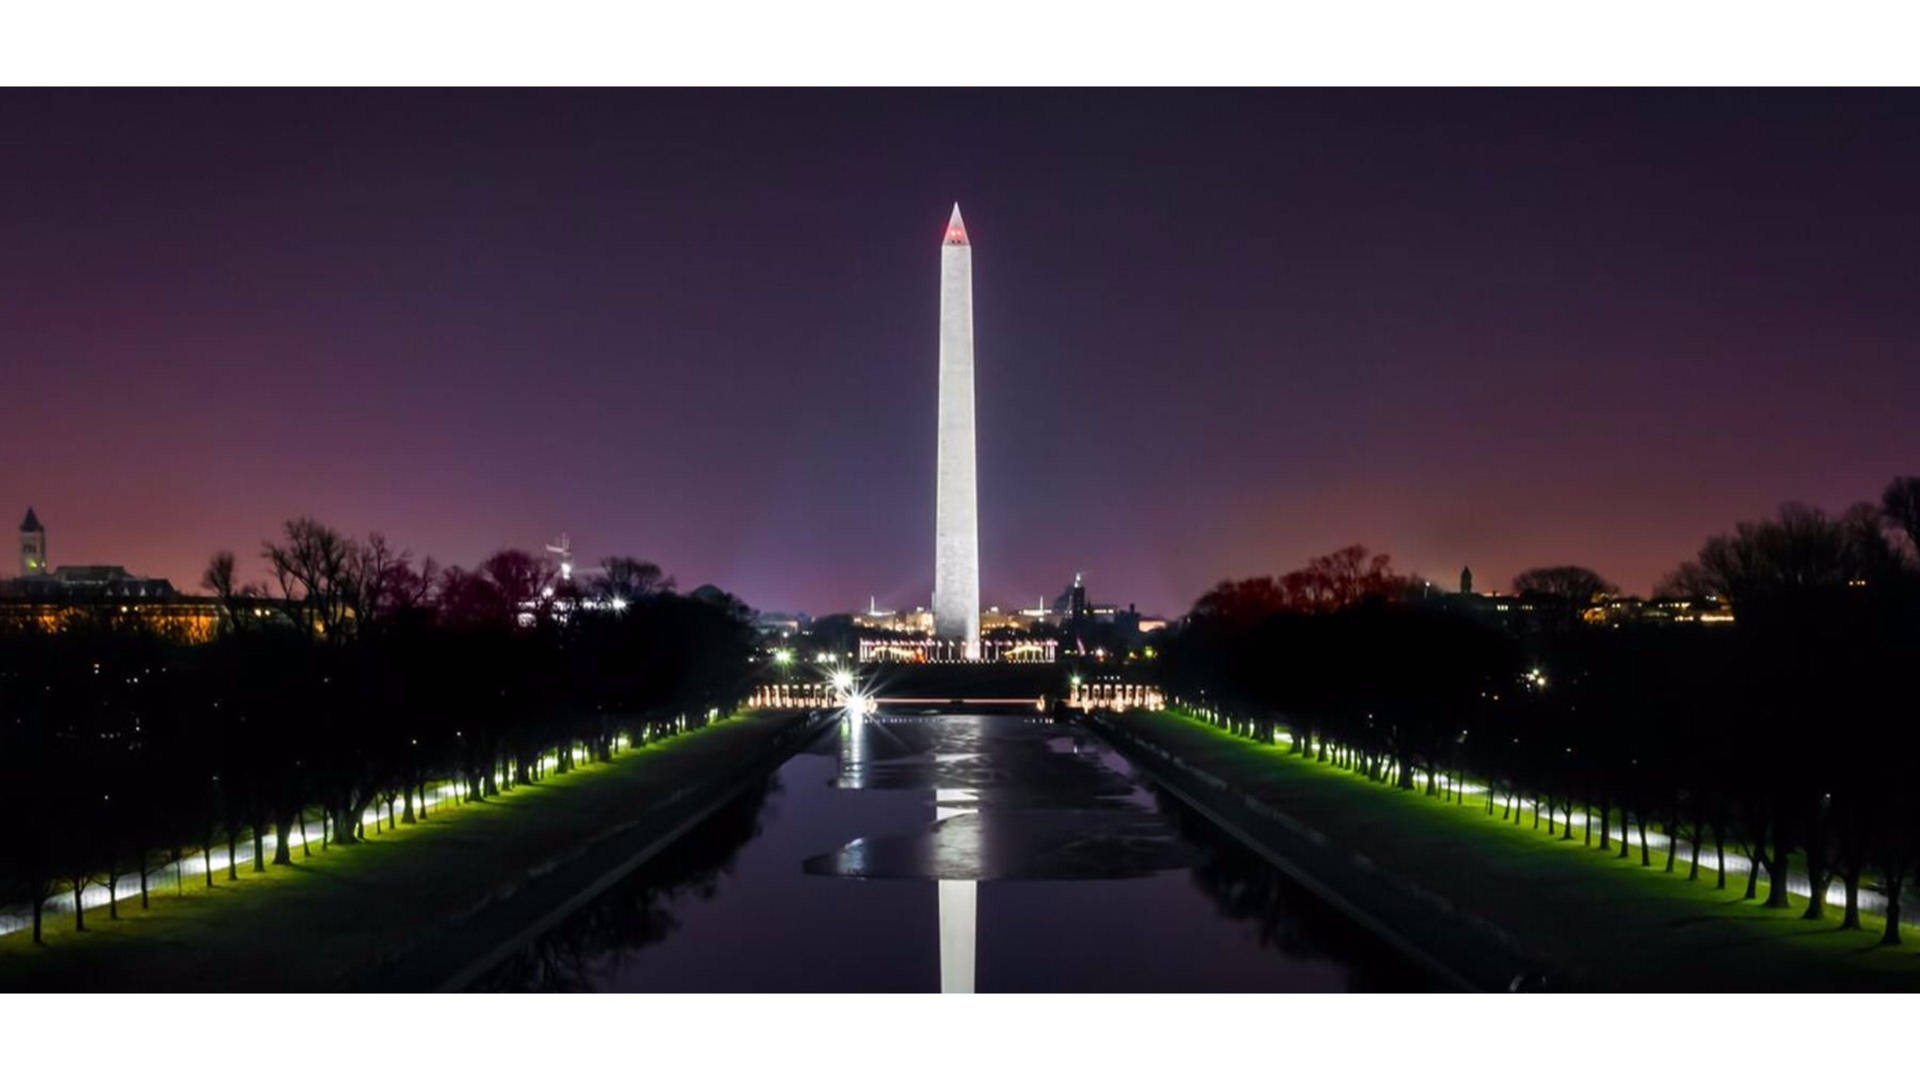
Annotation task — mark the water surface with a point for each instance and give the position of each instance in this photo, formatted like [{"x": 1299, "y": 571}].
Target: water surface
[{"x": 991, "y": 853}]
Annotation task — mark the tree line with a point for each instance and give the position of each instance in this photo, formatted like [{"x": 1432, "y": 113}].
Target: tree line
[
  {"x": 1786, "y": 737},
  {"x": 354, "y": 678}
]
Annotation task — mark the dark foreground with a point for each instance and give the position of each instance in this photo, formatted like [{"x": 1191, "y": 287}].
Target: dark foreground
[{"x": 998, "y": 853}]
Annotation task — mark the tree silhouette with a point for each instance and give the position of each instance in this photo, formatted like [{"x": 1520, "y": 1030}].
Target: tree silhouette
[
  {"x": 362, "y": 677},
  {"x": 1783, "y": 736}
]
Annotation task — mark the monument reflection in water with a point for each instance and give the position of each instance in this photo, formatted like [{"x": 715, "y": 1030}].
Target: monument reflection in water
[
  {"x": 1051, "y": 869},
  {"x": 958, "y": 897}
]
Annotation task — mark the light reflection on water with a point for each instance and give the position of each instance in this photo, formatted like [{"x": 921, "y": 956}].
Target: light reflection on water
[{"x": 915, "y": 853}]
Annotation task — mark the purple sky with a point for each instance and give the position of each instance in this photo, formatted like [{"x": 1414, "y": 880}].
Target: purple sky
[{"x": 1217, "y": 333}]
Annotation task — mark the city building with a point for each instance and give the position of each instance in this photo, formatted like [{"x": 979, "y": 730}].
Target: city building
[
  {"x": 56, "y": 598},
  {"x": 1534, "y": 612},
  {"x": 33, "y": 546}
]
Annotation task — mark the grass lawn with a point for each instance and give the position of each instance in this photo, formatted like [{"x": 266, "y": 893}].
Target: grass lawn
[
  {"x": 310, "y": 925},
  {"x": 1609, "y": 923}
]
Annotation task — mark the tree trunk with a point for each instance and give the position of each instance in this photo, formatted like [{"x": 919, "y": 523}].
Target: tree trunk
[
  {"x": 40, "y": 909},
  {"x": 1754, "y": 857},
  {"x": 1777, "y": 871},
  {"x": 206, "y": 858},
  {"x": 259, "y": 847},
  {"x": 406, "y": 815},
  {"x": 1819, "y": 870},
  {"x": 79, "y": 913},
  {"x": 343, "y": 824},
  {"x": 1816, "y": 892},
  {"x": 1606, "y": 825},
  {"x": 1646, "y": 859},
  {"x": 1850, "y": 920},
  {"x": 233, "y": 855},
  {"x": 113, "y": 889},
  {"x": 1891, "y": 935},
  {"x": 283, "y": 842}
]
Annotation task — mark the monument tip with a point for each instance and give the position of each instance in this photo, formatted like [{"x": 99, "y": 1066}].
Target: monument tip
[{"x": 956, "y": 228}]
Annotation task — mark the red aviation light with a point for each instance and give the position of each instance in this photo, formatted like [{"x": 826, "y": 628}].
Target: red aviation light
[{"x": 956, "y": 228}]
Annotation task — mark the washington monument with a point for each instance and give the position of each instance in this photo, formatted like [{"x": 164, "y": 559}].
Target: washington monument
[{"x": 956, "y": 541}]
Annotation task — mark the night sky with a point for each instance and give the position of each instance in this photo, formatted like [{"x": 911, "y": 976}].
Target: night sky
[{"x": 1217, "y": 333}]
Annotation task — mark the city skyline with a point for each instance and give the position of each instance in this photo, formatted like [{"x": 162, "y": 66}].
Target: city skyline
[{"x": 1500, "y": 330}]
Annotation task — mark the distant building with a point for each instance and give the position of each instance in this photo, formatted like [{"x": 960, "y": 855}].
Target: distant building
[
  {"x": 1534, "y": 612},
  {"x": 906, "y": 649},
  {"x": 1616, "y": 610},
  {"x": 90, "y": 583},
  {"x": 33, "y": 546},
  {"x": 918, "y": 622},
  {"x": 1070, "y": 624},
  {"x": 779, "y": 623},
  {"x": 1102, "y": 630},
  {"x": 55, "y": 599}
]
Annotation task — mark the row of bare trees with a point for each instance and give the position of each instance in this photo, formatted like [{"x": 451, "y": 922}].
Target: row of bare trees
[
  {"x": 1786, "y": 737},
  {"x": 354, "y": 678}
]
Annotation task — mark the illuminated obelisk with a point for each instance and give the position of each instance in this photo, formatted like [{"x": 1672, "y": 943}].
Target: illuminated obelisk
[{"x": 956, "y": 556}]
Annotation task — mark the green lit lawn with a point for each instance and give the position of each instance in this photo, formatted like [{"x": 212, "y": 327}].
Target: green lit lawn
[
  {"x": 1609, "y": 921},
  {"x": 308, "y": 926}
]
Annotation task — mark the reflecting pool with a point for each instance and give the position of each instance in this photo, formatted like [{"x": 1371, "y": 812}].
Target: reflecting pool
[{"x": 946, "y": 852}]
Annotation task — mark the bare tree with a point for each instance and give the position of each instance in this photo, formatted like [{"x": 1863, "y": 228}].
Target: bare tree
[
  {"x": 1575, "y": 585},
  {"x": 387, "y": 582},
  {"x": 524, "y": 583},
  {"x": 626, "y": 579},
  {"x": 1690, "y": 581},
  {"x": 1900, "y": 505},
  {"x": 317, "y": 571},
  {"x": 221, "y": 580},
  {"x": 1802, "y": 549}
]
